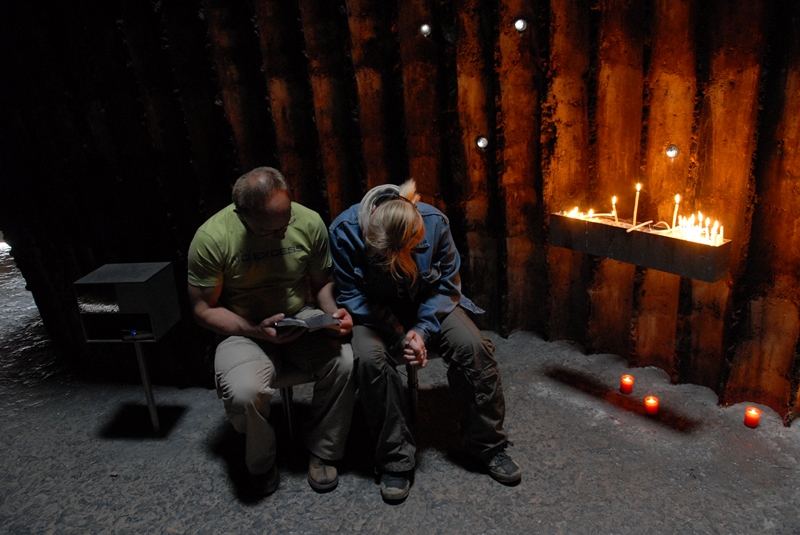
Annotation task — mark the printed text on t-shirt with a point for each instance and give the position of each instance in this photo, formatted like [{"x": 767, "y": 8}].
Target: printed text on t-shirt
[{"x": 266, "y": 254}]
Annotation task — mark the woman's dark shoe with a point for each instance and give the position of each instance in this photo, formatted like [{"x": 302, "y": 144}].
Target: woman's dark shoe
[
  {"x": 503, "y": 469},
  {"x": 395, "y": 485}
]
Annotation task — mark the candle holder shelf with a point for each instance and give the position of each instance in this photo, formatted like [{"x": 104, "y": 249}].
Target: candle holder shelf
[{"x": 643, "y": 246}]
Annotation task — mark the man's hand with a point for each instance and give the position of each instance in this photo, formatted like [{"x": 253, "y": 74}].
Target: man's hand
[
  {"x": 346, "y": 324},
  {"x": 266, "y": 330},
  {"x": 414, "y": 349}
]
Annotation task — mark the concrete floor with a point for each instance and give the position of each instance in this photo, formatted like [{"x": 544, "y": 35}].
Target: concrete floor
[{"x": 80, "y": 456}]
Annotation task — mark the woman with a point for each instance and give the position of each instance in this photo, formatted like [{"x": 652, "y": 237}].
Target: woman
[{"x": 397, "y": 273}]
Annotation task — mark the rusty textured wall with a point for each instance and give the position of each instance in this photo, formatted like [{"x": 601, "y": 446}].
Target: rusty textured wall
[
  {"x": 618, "y": 123},
  {"x": 125, "y": 124},
  {"x": 671, "y": 88}
]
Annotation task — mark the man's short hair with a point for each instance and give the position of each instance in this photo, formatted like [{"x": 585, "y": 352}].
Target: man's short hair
[{"x": 252, "y": 189}]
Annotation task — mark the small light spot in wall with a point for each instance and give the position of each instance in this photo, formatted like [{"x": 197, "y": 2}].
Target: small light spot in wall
[
  {"x": 425, "y": 30},
  {"x": 482, "y": 142},
  {"x": 521, "y": 25},
  {"x": 672, "y": 151}
]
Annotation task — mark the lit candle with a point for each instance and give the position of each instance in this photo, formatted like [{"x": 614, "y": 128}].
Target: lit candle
[
  {"x": 614, "y": 208},
  {"x": 651, "y": 405},
  {"x": 591, "y": 213},
  {"x": 636, "y": 203},
  {"x": 751, "y": 417},
  {"x": 626, "y": 384},
  {"x": 675, "y": 213},
  {"x": 721, "y": 234}
]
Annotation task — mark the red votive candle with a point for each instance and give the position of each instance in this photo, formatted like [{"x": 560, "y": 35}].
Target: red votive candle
[
  {"x": 651, "y": 405},
  {"x": 626, "y": 384},
  {"x": 751, "y": 417}
]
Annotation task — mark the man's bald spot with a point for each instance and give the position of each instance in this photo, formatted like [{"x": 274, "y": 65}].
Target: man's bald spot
[{"x": 255, "y": 188}]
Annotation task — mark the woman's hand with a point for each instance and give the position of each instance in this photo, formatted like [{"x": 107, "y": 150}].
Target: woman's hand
[
  {"x": 346, "y": 321},
  {"x": 414, "y": 349}
]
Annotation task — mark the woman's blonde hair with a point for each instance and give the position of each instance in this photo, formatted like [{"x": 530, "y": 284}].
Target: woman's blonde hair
[{"x": 394, "y": 229}]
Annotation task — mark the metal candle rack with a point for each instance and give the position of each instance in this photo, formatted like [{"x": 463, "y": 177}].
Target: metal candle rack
[{"x": 642, "y": 246}]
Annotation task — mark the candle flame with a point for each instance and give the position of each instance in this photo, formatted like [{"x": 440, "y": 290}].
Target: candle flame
[
  {"x": 753, "y": 411},
  {"x": 638, "y": 187},
  {"x": 695, "y": 228},
  {"x": 677, "y": 199},
  {"x": 702, "y": 231}
]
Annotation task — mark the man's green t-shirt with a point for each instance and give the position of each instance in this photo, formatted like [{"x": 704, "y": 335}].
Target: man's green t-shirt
[{"x": 260, "y": 277}]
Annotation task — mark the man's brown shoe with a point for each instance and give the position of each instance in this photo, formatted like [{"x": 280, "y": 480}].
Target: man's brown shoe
[{"x": 322, "y": 477}]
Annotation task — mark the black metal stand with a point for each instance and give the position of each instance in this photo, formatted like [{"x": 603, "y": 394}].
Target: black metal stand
[
  {"x": 138, "y": 301},
  {"x": 137, "y": 338}
]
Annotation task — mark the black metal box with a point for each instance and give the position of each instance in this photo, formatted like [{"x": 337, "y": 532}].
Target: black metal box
[
  {"x": 653, "y": 250},
  {"x": 116, "y": 299}
]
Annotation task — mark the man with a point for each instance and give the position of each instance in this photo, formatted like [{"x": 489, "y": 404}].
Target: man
[{"x": 250, "y": 265}]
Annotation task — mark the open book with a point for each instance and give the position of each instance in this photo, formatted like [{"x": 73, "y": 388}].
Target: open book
[{"x": 322, "y": 321}]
